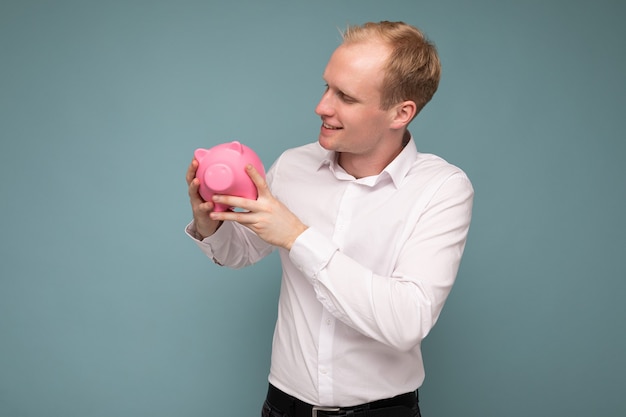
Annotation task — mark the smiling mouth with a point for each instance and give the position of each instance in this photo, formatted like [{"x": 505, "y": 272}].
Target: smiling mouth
[{"x": 327, "y": 126}]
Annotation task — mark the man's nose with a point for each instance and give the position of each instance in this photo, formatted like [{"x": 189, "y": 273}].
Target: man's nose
[{"x": 324, "y": 107}]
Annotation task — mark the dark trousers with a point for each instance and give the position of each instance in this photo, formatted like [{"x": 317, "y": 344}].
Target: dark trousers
[{"x": 270, "y": 410}]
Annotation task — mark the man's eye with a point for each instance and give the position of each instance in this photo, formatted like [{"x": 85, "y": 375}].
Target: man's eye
[{"x": 345, "y": 98}]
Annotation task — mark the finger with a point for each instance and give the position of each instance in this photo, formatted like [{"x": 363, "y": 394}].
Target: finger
[
  {"x": 233, "y": 201},
  {"x": 247, "y": 219},
  {"x": 257, "y": 179},
  {"x": 205, "y": 206},
  {"x": 194, "y": 192},
  {"x": 191, "y": 171}
]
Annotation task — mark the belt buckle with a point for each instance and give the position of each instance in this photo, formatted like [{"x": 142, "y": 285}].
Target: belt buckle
[{"x": 316, "y": 408}]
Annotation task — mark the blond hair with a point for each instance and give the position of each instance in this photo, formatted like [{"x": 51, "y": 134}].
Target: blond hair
[{"x": 413, "y": 69}]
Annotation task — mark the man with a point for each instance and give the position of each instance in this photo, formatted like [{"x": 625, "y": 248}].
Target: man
[{"x": 370, "y": 234}]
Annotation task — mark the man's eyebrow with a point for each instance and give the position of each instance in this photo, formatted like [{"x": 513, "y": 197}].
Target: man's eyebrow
[{"x": 339, "y": 90}]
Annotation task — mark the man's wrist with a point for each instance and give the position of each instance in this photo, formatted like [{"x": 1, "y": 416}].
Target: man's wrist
[
  {"x": 202, "y": 236},
  {"x": 198, "y": 236},
  {"x": 301, "y": 230}
]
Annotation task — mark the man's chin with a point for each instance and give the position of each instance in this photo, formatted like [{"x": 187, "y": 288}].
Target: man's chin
[{"x": 327, "y": 143}]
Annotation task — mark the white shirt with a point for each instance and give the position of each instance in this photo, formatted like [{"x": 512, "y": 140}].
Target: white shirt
[{"x": 366, "y": 282}]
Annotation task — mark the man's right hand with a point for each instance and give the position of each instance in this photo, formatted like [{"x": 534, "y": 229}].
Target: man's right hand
[{"x": 201, "y": 209}]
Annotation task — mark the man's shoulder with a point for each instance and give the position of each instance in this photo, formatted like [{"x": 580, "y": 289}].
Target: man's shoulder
[{"x": 431, "y": 165}]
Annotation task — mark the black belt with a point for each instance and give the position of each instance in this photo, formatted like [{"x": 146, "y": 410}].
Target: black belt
[{"x": 398, "y": 406}]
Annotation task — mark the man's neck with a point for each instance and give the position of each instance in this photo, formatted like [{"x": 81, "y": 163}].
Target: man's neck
[{"x": 367, "y": 165}]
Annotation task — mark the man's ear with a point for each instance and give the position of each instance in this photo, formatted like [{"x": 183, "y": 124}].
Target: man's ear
[{"x": 402, "y": 114}]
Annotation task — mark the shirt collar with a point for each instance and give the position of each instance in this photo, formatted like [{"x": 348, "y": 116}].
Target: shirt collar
[{"x": 397, "y": 169}]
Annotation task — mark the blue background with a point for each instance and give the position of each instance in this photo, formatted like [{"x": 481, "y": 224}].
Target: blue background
[{"x": 108, "y": 309}]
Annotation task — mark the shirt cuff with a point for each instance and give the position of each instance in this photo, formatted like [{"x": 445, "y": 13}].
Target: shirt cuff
[
  {"x": 311, "y": 252},
  {"x": 191, "y": 231},
  {"x": 209, "y": 243}
]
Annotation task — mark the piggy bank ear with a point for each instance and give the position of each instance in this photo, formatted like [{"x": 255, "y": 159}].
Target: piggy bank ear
[
  {"x": 236, "y": 146},
  {"x": 200, "y": 153}
]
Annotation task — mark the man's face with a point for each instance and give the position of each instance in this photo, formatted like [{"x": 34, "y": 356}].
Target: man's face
[{"x": 352, "y": 120}]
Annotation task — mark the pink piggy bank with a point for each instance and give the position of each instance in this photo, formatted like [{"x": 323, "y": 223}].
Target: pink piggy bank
[{"x": 222, "y": 170}]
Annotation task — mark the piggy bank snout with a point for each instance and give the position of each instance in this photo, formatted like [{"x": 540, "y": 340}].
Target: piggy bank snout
[{"x": 219, "y": 177}]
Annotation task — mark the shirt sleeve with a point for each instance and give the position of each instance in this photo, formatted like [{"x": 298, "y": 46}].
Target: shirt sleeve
[
  {"x": 400, "y": 309},
  {"x": 232, "y": 245}
]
